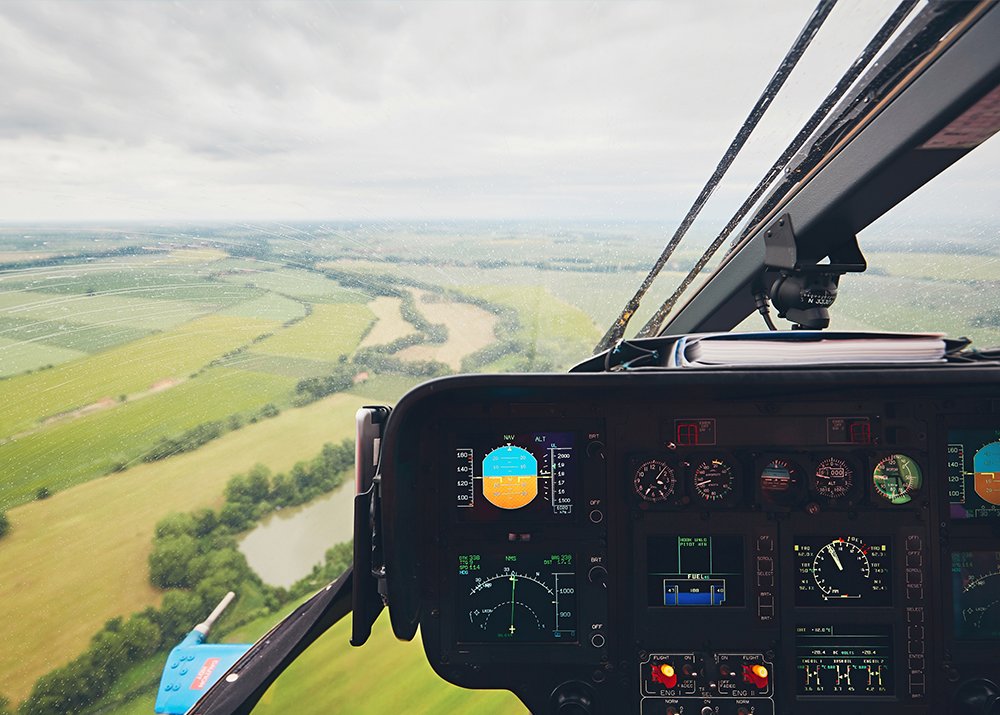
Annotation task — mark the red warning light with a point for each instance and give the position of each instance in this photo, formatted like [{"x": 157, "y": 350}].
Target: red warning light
[
  {"x": 665, "y": 675},
  {"x": 756, "y": 675},
  {"x": 861, "y": 432},
  {"x": 687, "y": 434}
]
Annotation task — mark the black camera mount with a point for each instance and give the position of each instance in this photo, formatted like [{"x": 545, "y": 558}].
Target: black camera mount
[{"x": 801, "y": 288}]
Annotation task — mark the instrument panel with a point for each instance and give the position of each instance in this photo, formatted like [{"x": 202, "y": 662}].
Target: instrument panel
[{"x": 733, "y": 543}]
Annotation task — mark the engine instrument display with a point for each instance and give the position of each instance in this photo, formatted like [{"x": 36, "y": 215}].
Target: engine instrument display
[
  {"x": 519, "y": 476},
  {"x": 842, "y": 571},
  {"x": 896, "y": 478},
  {"x": 516, "y": 598},
  {"x": 974, "y": 473},
  {"x": 976, "y": 588},
  {"x": 843, "y": 661},
  {"x": 695, "y": 571}
]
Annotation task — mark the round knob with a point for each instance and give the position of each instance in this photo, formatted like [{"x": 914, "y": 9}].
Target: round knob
[
  {"x": 707, "y": 710},
  {"x": 598, "y": 575},
  {"x": 977, "y": 697},
  {"x": 595, "y": 449}
]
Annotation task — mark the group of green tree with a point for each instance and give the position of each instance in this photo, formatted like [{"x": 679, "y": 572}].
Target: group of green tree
[{"x": 195, "y": 560}]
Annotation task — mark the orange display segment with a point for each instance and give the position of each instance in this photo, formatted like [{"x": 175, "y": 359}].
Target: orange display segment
[
  {"x": 510, "y": 492},
  {"x": 988, "y": 486}
]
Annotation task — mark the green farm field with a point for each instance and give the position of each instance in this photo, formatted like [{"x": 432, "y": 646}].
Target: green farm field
[
  {"x": 383, "y": 676},
  {"x": 131, "y": 311},
  {"x": 135, "y": 367},
  {"x": 107, "y": 524},
  {"x": 80, "y": 449},
  {"x": 19, "y": 356},
  {"x": 332, "y": 330}
]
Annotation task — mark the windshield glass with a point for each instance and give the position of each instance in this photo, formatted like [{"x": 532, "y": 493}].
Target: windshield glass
[{"x": 224, "y": 228}]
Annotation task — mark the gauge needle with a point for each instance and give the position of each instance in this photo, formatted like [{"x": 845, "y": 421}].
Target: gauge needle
[
  {"x": 836, "y": 559},
  {"x": 513, "y": 584},
  {"x": 662, "y": 472}
]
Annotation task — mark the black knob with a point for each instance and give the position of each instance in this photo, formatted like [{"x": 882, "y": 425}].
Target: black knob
[
  {"x": 977, "y": 697},
  {"x": 572, "y": 698}
]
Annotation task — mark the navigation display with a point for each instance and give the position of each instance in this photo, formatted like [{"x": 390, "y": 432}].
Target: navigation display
[
  {"x": 842, "y": 571},
  {"x": 974, "y": 473},
  {"x": 976, "y": 588},
  {"x": 518, "y": 475},
  {"x": 516, "y": 598},
  {"x": 687, "y": 571},
  {"x": 840, "y": 660}
]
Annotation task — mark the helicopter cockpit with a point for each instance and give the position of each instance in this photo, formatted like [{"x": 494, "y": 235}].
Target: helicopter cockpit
[{"x": 668, "y": 530}]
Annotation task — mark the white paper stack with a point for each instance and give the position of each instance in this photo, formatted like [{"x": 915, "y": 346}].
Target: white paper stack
[{"x": 806, "y": 347}]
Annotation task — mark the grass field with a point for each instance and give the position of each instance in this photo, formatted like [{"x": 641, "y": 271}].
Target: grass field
[
  {"x": 391, "y": 324},
  {"x": 75, "y": 451},
  {"x": 298, "y": 283},
  {"x": 269, "y": 307},
  {"x": 331, "y": 331},
  {"x": 103, "y": 310},
  {"x": 85, "y": 337},
  {"x": 557, "y": 332},
  {"x": 17, "y": 356},
  {"x": 107, "y": 524},
  {"x": 470, "y": 328},
  {"x": 27, "y": 399},
  {"x": 383, "y": 676}
]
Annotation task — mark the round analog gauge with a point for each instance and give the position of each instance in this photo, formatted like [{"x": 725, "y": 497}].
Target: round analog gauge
[
  {"x": 896, "y": 478},
  {"x": 779, "y": 478},
  {"x": 841, "y": 569},
  {"x": 834, "y": 478},
  {"x": 655, "y": 480},
  {"x": 714, "y": 479}
]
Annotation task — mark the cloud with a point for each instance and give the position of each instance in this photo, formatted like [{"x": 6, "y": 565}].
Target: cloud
[{"x": 378, "y": 110}]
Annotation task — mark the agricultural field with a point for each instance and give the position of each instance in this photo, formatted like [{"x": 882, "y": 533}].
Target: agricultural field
[
  {"x": 333, "y": 329},
  {"x": 107, "y": 524},
  {"x": 123, "y": 370},
  {"x": 92, "y": 444},
  {"x": 390, "y": 324},
  {"x": 470, "y": 328}
]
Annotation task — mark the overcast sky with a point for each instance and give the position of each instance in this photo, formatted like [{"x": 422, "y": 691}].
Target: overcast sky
[{"x": 236, "y": 111}]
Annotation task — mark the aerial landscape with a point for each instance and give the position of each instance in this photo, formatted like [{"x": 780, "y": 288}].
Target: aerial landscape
[{"x": 178, "y": 414}]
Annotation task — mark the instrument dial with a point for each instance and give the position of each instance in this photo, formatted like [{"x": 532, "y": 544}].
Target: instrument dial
[
  {"x": 714, "y": 479},
  {"x": 834, "y": 478},
  {"x": 655, "y": 480},
  {"x": 841, "y": 569},
  {"x": 896, "y": 478},
  {"x": 779, "y": 481}
]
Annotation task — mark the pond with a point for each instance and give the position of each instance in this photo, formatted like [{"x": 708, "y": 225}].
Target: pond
[{"x": 288, "y": 543}]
